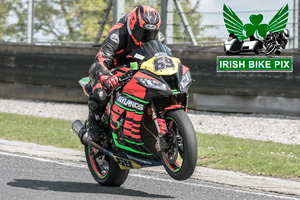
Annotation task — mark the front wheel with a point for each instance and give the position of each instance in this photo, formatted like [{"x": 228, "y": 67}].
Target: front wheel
[
  {"x": 181, "y": 158},
  {"x": 270, "y": 48},
  {"x": 104, "y": 169}
]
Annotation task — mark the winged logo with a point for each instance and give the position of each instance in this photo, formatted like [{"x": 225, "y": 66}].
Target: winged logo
[{"x": 236, "y": 26}]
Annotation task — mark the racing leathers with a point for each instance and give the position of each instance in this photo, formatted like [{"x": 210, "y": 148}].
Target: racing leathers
[{"x": 116, "y": 46}]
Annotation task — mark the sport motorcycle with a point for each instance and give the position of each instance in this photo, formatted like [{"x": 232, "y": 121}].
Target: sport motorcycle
[{"x": 145, "y": 122}]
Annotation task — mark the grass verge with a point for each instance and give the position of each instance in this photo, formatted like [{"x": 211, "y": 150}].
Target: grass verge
[
  {"x": 249, "y": 156},
  {"x": 214, "y": 151},
  {"x": 45, "y": 131}
]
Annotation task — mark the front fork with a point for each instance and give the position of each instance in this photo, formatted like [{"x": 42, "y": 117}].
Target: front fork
[
  {"x": 154, "y": 115},
  {"x": 161, "y": 127}
]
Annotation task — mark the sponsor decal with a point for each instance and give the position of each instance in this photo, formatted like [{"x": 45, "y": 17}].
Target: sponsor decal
[
  {"x": 139, "y": 56},
  {"x": 115, "y": 38},
  {"x": 256, "y": 64},
  {"x": 130, "y": 103},
  {"x": 253, "y": 39}
]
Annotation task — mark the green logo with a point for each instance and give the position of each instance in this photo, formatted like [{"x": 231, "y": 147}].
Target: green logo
[
  {"x": 236, "y": 26},
  {"x": 256, "y": 64}
]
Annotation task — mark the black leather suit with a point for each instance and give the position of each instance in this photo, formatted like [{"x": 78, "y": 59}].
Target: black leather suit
[{"x": 116, "y": 46}]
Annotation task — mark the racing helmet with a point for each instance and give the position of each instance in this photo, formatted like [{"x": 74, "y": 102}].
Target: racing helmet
[
  {"x": 286, "y": 33},
  {"x": 143, "y": 24}
]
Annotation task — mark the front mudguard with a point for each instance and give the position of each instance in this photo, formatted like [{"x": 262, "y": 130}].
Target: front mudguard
[{"x": 172, "y": 107}]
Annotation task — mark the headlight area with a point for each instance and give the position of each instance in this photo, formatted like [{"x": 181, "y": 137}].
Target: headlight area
[
  {"x": 186, "y": 80},
  {"x": 151, "y": 83}
]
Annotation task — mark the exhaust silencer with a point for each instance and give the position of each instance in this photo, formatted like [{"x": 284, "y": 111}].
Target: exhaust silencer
[{"x": 79, "y": 128}]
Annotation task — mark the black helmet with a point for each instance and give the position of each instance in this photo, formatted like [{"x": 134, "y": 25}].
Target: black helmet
[{"x": 143, "y": 24}]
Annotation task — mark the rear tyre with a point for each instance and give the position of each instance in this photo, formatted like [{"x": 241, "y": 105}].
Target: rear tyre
[
  {"x": 104, "y": 169},
  {"x": 181, "y": 158}
]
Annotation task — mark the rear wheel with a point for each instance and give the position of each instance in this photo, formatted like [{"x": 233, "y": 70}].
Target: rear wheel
[
  {"x": 180, "y": 158},
  {"x": 104, "y": 169}
]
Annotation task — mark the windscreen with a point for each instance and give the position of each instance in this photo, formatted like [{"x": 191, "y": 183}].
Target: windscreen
[{"x": 149, "y": 49}]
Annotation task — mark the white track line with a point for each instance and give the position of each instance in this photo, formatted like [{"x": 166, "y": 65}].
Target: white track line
[{"x": 154, "y": 178}]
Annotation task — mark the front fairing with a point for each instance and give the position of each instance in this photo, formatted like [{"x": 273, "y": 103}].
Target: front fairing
[
  {"x": 157, "y": 62},
  {"x": 138, "y": 87}
]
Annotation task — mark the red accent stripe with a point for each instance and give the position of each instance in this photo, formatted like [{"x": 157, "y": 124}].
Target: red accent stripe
[
  {"x": 173, "y": 107},
  {"x": 113, "y": 126},
  {"x": 135, "y": 130},
  {"x": 128, "y": 124},
  {"x": 137, "y": 117},
  {"x": 184, "y": 69},
  {"x": 120, "y": 51},
  {"x": 101, "y": 59},
  {"x": 137, "y": 126},
  {"x": 136, "y": 136},
  {"x": 114, "y": 117},
  {"x": 130, "y": 114},
  {"x": 141, "y": 22},
  {"x": 117, "y": 109},
  {"x": 92, "y": 161},
  {"x": 132, "y": 18},
  {"x": 125, "y": 69},
  {"x": 136, "y": 42},
  {"x": 168, "y": 163},
  {"x": 116, "y": 26},
  {"x": 162, "y": 126},
  {"x": 85, "y": 91},
  {"x": 128, "y": 133},
  {"x": 97, "y": 86},
  {"x": 133, "y": 88}
]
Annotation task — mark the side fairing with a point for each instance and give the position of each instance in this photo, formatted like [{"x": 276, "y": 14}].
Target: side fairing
[{"x": 125, "y": 121}]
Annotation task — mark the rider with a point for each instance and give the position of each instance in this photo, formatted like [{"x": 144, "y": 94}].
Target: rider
[
  {"x": 281, "y": 38},
  {"x": 139, "y": 26}
]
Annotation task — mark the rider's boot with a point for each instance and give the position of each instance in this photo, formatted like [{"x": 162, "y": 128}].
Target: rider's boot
[{"x": 94, "y": 120}]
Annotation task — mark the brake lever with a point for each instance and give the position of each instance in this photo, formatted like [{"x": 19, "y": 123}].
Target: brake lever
[
  {"x": 123, "y": 79},
  {"x": 125, "y": 76},
  {"x": 112, "y": 91}
]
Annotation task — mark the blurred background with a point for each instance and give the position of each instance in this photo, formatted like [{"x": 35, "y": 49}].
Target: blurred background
[
  {"x": 46, "y": 46},
  {"x": 75, "y": 22}
]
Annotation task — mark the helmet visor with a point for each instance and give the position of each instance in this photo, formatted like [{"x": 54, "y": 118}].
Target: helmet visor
[
  {"x": 144, "y": 35},
  {"x": 149, "y": 35}
]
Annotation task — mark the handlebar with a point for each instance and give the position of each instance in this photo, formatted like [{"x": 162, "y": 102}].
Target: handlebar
[
  {"x": 122, "y": 80},
  {"x": 127, "y": 75}
]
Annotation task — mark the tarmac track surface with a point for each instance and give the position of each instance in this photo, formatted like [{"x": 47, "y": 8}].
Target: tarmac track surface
[{"x": 28, "y": 177}]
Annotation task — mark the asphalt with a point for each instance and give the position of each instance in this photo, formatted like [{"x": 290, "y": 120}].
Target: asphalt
[{"x": 261, "y": 183}]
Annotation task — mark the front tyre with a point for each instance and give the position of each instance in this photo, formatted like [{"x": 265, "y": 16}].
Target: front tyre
[
  {"x": 270, "y": 49},
  {"x": 104, "y": 169},
  {"x": 181, "y": 158}
]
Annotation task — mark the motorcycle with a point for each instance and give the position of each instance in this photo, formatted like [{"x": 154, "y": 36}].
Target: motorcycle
[
  {"x": 232, "y": 46},
  {"x": 145, "y": 120},
  {"x": 274, "y": 42}
]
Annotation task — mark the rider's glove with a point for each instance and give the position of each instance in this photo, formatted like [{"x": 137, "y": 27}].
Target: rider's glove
[{"x": 111, "y": 82}]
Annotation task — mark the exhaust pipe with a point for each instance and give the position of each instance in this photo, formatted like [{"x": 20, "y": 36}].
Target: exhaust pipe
[{"x": 79, "y": 129}]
